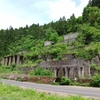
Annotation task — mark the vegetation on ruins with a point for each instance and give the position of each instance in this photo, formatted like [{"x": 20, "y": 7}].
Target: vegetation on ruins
[
  {"x": 41, "y": 72},
  {"x": 29, "y": 40}
]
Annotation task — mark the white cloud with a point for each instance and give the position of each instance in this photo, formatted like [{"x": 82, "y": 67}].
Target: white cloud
[
  {"x": 65, "y": 8},
  {"x": 61, "y": 8},
  {"x": 18, "y": 14}
]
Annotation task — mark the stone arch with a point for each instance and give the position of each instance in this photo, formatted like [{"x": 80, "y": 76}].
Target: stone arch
[
  {"x": 64, "y": 72},
  {"x": 11, "y": 59},
  {"x": 15, "y": 59},
  {"x": 57, "y": 73},
  {"x": 81, "y": 69},
  {"x": 75, "y": 72},
  {"x": 68, "y": 72}
]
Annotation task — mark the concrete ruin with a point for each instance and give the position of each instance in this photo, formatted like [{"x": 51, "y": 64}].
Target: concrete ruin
[
  {"x": 72, "y": 67},
  {"x": 67, "y": 38},
  {"x": 70, "y": 37},
  {"x": 48, "y": 43},
  {"x": 15, "y": 59}
]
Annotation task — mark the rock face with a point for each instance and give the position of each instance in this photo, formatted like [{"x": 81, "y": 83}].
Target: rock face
[{"x": 71, "y": 67}]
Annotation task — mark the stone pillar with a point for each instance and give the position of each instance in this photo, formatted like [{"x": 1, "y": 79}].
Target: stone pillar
[
  {"x": 79, "y": 72},
  {"x": 6, "y": 60},
  {"x": 9, "y": 63},
  {"x": 18, "y": 60},
  {"x": 82, "y": 71},
  {"x": 89, "y": 71},
  {"x": 14, "y": 59},
  {"x": 55, "y": 71},
  {"x": 71, "y": 73},
  {"x": 3, "y": 61},
  {"x": 66, "y": 72}
]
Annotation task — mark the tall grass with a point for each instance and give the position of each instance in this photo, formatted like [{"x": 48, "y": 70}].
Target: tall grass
[{"x": 8, "y": 92}]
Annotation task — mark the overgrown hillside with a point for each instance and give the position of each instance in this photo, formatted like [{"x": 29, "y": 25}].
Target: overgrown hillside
[{"x": 30, "y": 39}]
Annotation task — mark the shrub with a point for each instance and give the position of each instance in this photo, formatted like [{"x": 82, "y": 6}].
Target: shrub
[
  {"x": 31, "y": 72},
  {"x": 65, "y": 81},
  {"x": 42, "y": 72},
  {"x": 59, "y": 57},
  {"x": 95, "y": 81},
  {"x": 5, "y": 69},
  {"x": 13, "y": 65}
]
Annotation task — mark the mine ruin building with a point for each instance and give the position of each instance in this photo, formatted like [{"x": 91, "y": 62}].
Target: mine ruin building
[{"x": 70, "y": 66}]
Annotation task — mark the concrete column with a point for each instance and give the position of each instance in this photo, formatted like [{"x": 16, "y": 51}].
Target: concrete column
[
  {"x": 14, "y": 59},
  {"x": 6, "y": 60},
  {"x": 79, "y": 72},
  {"x": 3, "y": 61},
  {"x": 9, "y": 63},
  {"x": 71, "y": 73},
  {"x": 55, "y": 71},
  {"x": 89, "y": 71},
  {"x": 18, "y": 60},
  {"x": 82, "y": 71},
  {"x": 66, "y": 72}
]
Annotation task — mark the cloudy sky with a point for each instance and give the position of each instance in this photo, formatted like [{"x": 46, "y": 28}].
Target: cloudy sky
[{"x": 18, "y": 13}]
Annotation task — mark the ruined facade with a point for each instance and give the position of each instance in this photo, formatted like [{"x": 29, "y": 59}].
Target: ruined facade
[
  {"x": 70, "y": 37},
  {"x": 70, "y": 66},
  {"x": 16, "y": 59}
]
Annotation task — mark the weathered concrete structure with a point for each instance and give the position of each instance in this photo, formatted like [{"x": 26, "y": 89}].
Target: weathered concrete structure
[
  {"x": 70, "y": 37},
  {"x": 48, "y": 43},
  {"x": 72, "y": 67},
  {"x": 16, "y": 59},
  {"x": 67, "y": 38}
]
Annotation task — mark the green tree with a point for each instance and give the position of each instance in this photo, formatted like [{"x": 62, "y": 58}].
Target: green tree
[{"x": 96, "y": 3}]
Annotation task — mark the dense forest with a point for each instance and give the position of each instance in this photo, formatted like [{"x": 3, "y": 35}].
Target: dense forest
[{"x": 30, "y": 39}]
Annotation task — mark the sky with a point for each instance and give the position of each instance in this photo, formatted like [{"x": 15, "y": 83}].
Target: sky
[{"x": 19, "y": 13}]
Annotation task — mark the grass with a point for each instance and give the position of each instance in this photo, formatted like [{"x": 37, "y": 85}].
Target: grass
[{"x": 8, "y": 92}]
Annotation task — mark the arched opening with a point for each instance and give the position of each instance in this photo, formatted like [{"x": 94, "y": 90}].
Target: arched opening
[
  {"x": 64, "y": 72},
  {"x": 57, "y": 73},
  {"x": 68, "y": 72}
]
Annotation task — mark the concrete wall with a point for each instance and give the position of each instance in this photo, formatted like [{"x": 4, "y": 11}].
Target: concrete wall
[
  {"x": 71, "y": 67},
  {"x": 67, "y": 38},
  {"x": 47, "y": 43},
  {"x": 70, "y": 37}
]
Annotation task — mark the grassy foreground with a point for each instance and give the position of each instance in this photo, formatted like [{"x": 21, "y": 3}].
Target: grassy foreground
[{"x": 8, "y": 92}]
